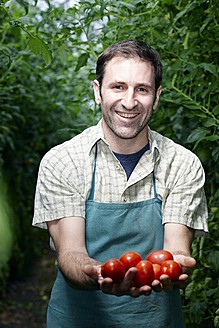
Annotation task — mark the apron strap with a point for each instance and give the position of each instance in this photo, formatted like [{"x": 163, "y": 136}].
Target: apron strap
[
  {"x": 91, "y": 196},
  {"x": 154, "y": 183}
]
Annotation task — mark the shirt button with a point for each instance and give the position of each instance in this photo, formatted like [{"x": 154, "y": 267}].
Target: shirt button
[{"x": 124, "y": 200}]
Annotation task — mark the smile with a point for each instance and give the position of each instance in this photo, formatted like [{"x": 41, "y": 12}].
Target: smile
[{"x": 127, "y": 115}]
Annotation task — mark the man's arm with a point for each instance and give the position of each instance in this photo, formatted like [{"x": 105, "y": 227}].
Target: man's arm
[
  {"x": 177, "y": 240},
  {"x": 68, "y": 235},
  {"x": 81, "y": 271}
]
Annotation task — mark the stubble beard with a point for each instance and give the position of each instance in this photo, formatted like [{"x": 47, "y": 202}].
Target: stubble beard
[{"x": 125, "y": 135}]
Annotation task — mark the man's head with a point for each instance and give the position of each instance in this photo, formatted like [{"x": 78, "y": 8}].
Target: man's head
[
  {"x": 127, "y": 88},
  {"x": 130, "y": 49}
]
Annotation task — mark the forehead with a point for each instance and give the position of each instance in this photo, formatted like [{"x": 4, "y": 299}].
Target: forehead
[{"x": 122, "y": 68}]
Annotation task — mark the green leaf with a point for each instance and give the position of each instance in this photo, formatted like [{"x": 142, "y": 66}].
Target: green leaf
[
  {"x": 187, "y": 9},
  {"x": 212, "y": 138},
  {"x": 216, "y": 110},
  {"x": 39, "y": 47},
  {"x": 63, "y": 54},
  {"x": 211, "y": 292},
  {"x": 213, "y": 260},
  {"x": 23, "y": 4},
  {"x": 127, "y": 5},
  {"x": 190, "y": 105},
  {"x": 82, "y": 61},
  {"x": 190, "y": 289},
  {"x": 186, "y": 41},
  {"x": 216, "y": 322},
  {"x": 3, "y": 12},
  {"x": 210, "y": 122},
  {"x": 197, "y": 134},
  {"x": 24, "y": 20},
  {"x": 210, "y": 68}
]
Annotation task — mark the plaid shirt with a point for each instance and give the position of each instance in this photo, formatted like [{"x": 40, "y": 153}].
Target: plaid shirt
[{"x": 65, "y": 177}]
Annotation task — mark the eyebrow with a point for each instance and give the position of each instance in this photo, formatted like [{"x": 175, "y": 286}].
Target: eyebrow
[{"x": 148, "y": 86}]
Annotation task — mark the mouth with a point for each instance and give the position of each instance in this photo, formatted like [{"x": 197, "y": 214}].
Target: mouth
[{"x": 127, "y": 115}]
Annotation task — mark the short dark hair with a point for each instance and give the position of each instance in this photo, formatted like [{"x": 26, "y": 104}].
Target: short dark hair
[{"x": 130, "y": 48}]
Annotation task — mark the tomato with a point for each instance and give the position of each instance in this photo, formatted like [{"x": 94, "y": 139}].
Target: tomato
[
  {"x": 145, "y": 273},
  {"x": 159, "y": 256},
  {"x": 113, "y": 269},
  {"x": 130, "y": 259},
  {"x": 172, "y": 269},
  {"x": 157, "y": 270}
]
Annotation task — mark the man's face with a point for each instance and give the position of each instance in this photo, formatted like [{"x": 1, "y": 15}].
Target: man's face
[{"x": 127, "y": 97}]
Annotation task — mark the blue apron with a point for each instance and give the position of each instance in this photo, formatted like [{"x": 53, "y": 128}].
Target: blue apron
[{"x": 111, "y": 230}]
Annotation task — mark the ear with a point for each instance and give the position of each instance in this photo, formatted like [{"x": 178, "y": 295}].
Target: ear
[
  {"x": 96, "y": 87},
  {"x": 159, "y": 90}
]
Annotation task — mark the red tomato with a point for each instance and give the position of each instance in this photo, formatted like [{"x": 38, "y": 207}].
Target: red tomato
[
  {"x": 172, "y": 269},
  {"x": 159, "y": 256},
  {"x": 145, "y": 273},
  {"x": 157, "y": 270},
  {"x": 113, "y": 269},
  {"x": 130, "y": 259}
]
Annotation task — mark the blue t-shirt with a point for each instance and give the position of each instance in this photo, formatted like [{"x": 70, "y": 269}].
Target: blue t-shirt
[{"x": 129, "y": 161}]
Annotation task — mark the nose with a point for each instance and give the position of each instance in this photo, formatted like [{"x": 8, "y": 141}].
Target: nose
[{"x": 128, "y": 100}]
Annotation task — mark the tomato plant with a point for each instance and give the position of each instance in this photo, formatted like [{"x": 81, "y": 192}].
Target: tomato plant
[
  {"x": 172, "y": 269},
  {"x": 159, "y": 256},
  {"x": 157, "y": 270},
  {"x": 145, "y": 273},
  {"x": 130, "y": 259},
  {"x": 113, "y": 269}
]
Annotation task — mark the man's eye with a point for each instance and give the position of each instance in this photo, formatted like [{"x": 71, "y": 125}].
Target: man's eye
[
  {"x": 144, "y": 90},
  {"x": 118, "y": 87}
]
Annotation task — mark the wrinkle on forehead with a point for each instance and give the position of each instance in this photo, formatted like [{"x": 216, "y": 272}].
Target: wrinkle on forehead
[{"x": 120, "y": 69}]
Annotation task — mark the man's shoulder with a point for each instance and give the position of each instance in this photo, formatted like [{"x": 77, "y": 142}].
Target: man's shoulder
[
  {"x": 75, "y": 148},
  {"x": 169, "y": 148}
]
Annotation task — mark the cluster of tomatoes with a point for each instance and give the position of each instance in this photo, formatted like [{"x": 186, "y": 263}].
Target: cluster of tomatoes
[{"x": 156, "y": 263}]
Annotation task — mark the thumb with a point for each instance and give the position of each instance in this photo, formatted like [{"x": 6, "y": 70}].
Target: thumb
[
  {"x": 91, "y": 271},
  {"x": 189, "y": 262},
  {"x": 185, "y": 261}
]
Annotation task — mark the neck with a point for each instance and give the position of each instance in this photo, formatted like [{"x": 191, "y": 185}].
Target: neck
[{"x": 126, "y": 146}]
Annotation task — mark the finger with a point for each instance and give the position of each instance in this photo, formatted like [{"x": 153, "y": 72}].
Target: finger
[
  {"x": 145, "y": 290},
  {"x": 156, "y": 286},
  {"x": 183, "y": 277},
  {"x": 128, "y": 279},
  {"x": 91, "y": 271},
  {"x": 189, "y": 262},
  {"x": 185, "y": 261},
  {"x": 106, "y": 285},
  {"x": 134, "y": 292},
  {"x": 183, "y": 281},
  {"x": 166, "y": 283}
]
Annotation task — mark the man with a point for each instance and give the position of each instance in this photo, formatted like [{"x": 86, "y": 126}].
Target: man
[{"x": 116, "y": 187}]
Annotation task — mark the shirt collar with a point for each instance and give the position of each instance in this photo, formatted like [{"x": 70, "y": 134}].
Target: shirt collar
[
  {"x": 98, "y": 135},
  {"x": 154, "y": 147}
]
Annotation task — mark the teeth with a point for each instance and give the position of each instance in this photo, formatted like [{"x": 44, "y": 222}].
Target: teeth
[{"x": 127, "y": 115}]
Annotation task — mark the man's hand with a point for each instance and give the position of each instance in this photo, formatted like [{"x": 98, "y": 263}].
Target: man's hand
[
  {"x": 125, "y": 287},
  {"x": 187, "y": 262}
]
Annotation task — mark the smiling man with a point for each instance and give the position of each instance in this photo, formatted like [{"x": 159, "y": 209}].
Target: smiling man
[{"x": 118, "y": 187}]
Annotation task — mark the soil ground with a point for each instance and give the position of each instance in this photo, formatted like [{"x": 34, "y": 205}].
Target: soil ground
[{"x": 25, "y": 301}]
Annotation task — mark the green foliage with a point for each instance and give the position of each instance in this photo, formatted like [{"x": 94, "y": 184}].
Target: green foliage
[
  {"x": 6, "y": 216},
  {"x": 47, "y": 63}
]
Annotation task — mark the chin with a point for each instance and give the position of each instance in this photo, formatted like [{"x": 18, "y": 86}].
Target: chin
[{"x": 126, "y": 135}]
